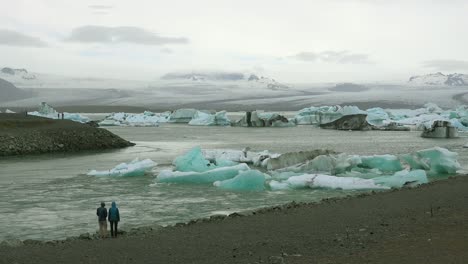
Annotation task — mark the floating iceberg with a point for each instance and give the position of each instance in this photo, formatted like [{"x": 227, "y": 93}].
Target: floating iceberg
[
  {"x": 403, "y": 178},
  {"x": 434, "y": 160},
  {"x": 127, "y": 119},
  {"x": 325, "y": 114},
  {"x": 250, "y": 180},
  {"x": 263, "y": 119},
  {"x": 440, "y": 129},
  {"x": 384, "y": 163},
  {"x": 206, "y": 119},
  {"x": 193, "y": 161},
  {"x": 8, "y": 111},
  {"x": 182, "y": 115},
  {"x": 325, "y": 181},
  {"x": 377, "y": 116},
  {"x": 134, "y": 168},
  {"x": 217, "y": 174},
  {"x": 331, "y": 164}
]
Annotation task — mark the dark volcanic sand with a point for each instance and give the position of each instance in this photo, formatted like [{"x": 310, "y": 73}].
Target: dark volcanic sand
[
  {"x": 21, "y": 134},
  {"x": 424, "y": 225}
]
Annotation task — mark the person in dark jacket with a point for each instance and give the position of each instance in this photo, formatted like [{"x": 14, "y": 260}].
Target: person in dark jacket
[
  {"x": 114, "y": 218},
  {"x": 101, "y": 212}
]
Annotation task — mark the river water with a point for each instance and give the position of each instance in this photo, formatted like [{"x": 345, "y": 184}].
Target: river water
[{"x": 50, "y": 196}]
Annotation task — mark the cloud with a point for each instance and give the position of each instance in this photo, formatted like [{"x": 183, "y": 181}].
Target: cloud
[
  {"x": 136, "y": 35},
  {"x": 446, "y": 65},
  {"x": 166, "y": 50},
  {"x": 13, "y": 38},
  {"x": 330, "y": 56}
]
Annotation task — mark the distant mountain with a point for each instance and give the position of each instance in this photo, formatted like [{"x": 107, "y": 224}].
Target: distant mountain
[
  {"x": 348, "y": 87},
  {"x": 204, "y": 76},
  {"x": 237, "y": 77},
  {"x": 455, "y": 79},
  {"x": 21, "y": 73},
  {"x": 9, "y": 92}
]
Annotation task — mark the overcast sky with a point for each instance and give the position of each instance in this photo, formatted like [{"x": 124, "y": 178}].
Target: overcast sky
[{"x": 292, "y": 41}]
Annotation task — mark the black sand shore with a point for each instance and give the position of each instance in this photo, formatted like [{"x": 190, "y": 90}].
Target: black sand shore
[
  {"x": 21, "y": 135},
  {"x": 423, "y": 225}
]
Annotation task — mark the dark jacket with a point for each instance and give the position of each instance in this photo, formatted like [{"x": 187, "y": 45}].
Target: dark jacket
[
  {"x": 101, "y": 212},
  {"x": 114, "y": 215}
]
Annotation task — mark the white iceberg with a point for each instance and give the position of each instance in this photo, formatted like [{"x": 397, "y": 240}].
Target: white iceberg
[
  {"x": 217, "y": 174},
  {"x": 403, "y": 178},
  {"x": 206, "y": 119},
  {"x": 134, "y": 168},
  {"x": 182, "y": 115},
  {"x": 326, "y": 181},
  {"x": 139, "y": 120},
  {"x": 325, "y": 114}
]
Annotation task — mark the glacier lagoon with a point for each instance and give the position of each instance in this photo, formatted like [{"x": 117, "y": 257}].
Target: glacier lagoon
[{"x": 51, "y": 197}]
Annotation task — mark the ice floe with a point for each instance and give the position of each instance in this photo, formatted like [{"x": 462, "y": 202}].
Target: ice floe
[
  {"x": 134, "y": 168},
  {"x": 249, "y": 180},
  {"x": 207, "y": 119},
  {"x": 210, "y": 176},
  {"x": 146, "y": 118}
]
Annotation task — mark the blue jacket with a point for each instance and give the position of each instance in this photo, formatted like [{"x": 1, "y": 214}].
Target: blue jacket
[{"x": 114, "y": 215}]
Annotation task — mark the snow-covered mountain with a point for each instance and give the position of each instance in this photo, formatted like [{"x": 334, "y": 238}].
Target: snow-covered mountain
[
  {"x": 22, "y": 78},
  {"x": 440, "y": 79},
  {"x": 10, "y": 73},
  {"x": 237, "y": 78}
]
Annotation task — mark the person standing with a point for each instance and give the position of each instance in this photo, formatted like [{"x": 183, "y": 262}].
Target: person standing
[
  {"x": 101, "y": 212},
  {"x": 114, "y": 218}
]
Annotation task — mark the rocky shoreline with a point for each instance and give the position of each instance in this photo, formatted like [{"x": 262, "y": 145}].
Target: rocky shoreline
[{"x": 24, "y": 135}]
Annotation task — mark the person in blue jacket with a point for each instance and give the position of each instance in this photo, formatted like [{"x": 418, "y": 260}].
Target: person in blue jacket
[{"x": 114, "y": 218}]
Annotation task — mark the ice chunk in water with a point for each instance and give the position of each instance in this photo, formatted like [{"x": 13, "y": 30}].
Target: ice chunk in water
[
  {"x": 182, "y": 115},
  {"x": 402, "y": 178},
  {"x": 327, "y": 181},
  {"x": 377, "y": 116},
  {"x": 384, "y": 163},
  {"x": 193, "y": 161},
  {"x": 252, "y": 180},
  {"x": 435, "y": 160},
  {"x": 218, "y": 174},
  {"x": 206, "y": 119},
  {"x": 134, "y": 168}
]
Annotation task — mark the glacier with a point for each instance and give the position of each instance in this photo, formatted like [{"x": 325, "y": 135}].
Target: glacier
[{"x": 134, "y": 168}]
